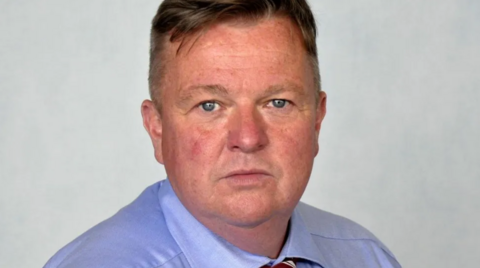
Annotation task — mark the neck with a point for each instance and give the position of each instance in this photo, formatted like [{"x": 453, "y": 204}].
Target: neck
[{"x": 265, "y": 239}]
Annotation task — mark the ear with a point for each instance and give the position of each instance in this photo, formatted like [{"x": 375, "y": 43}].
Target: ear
[
  {"x": 152, "y": 121},
  {"x": 320, "y": 113}
]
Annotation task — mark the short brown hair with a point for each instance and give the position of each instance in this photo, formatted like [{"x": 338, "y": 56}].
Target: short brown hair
[{"x": 179, "y": 18}]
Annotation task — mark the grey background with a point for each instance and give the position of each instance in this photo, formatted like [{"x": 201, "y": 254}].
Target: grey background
[{"x": 399, "y": 146}]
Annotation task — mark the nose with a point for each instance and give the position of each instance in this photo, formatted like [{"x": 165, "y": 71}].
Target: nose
[{"x": 247, "y": 131}]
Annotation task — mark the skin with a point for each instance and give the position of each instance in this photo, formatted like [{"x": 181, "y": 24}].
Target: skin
[{"x": 241, "y": 168}]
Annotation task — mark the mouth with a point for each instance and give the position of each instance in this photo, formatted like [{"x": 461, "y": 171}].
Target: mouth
[{"x": 247, "y": 177}]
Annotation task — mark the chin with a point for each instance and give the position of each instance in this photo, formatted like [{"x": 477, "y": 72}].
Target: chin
[{"x": 250, "y": 213}]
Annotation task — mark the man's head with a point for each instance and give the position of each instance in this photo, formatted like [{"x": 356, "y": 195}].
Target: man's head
[{"x": 236, "y": 107}]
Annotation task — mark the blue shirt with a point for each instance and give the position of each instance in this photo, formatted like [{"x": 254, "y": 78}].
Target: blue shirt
[{"x": 156, "y": 230}]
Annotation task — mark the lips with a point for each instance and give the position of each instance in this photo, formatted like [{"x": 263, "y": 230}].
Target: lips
[{"x": 251, "y": 173}]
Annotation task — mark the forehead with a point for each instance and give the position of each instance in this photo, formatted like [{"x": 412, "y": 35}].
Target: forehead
[
  {"x": 263, "y": 34},
  {"x": 271, "y": 46}
]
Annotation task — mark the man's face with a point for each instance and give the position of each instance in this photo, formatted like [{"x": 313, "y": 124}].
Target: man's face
[{"x": 239, "y": 123}]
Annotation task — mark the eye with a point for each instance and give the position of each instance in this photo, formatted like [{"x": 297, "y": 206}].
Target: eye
[
  {"x": 208, "y": 106},
  {"x": 279, "y": 103}
]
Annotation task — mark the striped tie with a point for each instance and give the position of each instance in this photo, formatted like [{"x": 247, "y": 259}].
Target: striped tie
[{"x": 287, "y": 263}]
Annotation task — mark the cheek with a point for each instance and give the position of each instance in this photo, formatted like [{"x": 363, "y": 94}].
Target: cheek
[
  {"x": 195, "y": 147},
  {"x": 297, "y": 154},
  {"x": 295, "y": 151},
  {"x": 297, "y": 143},
  {"x": 201, "y": 146}
]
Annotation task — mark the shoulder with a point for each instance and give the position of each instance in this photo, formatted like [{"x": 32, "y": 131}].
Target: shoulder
[
  {"x": 338, "y": 235},
  {"x": 136, "y": 236}
]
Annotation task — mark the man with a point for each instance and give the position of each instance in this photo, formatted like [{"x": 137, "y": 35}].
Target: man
[{"x": 235, "y": 116}]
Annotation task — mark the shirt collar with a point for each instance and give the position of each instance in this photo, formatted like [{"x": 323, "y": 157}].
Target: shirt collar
[
  {"x": 203, "y": 248},
  {"x": 299, "y": 243}
]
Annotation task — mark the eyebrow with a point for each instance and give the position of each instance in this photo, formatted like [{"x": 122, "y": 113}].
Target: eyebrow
[
  {"x": 189, "y": 92},
  {"x": 289, "y": 87}
]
